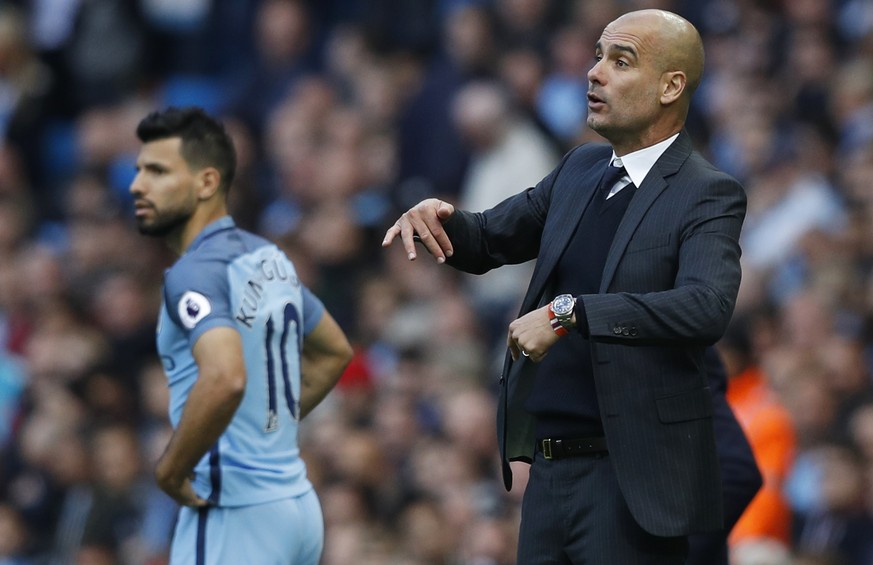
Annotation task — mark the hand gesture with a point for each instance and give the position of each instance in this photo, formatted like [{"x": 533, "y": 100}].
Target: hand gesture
[{"x": 423, "y": 222}]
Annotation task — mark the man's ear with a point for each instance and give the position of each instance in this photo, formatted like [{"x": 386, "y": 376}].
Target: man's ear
[
  {"x": 209, "y": 179},
  {"x": 672, "y": 86}
]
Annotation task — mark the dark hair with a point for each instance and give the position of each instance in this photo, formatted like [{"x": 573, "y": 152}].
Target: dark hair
[{"x": 205, "y": 142}]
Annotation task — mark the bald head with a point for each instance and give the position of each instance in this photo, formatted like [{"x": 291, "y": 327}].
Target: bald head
[
  {"x": 648, "y": 64},
  {"x": 676, "y": 43}
]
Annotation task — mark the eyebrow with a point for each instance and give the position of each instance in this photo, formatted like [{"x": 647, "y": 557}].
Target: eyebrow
[
  {"x": 619, "y": 47},
  {"x": 150, "y": 166}
]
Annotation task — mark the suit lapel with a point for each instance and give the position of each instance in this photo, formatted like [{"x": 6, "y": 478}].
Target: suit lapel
[
  {"x": 565, "y": 213},
  {"x": 643, "y": 198}
]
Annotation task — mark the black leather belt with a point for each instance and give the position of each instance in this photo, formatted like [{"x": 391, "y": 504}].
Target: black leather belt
[{"x": 580, "y": 447}]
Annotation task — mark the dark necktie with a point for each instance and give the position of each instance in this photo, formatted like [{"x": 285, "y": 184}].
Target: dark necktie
[{"x": 610, "y": 177}]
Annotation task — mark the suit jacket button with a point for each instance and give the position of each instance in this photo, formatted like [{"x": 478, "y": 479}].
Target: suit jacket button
[
  {"x": 625, "y": 331},
  {"x": 633, "y": 331},
  {"x": 616, "y": 330}
]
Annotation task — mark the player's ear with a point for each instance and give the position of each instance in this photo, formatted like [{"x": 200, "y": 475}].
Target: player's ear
[{"x": 209, "y": 181}]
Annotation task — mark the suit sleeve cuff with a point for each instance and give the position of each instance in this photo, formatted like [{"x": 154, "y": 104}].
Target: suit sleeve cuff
[{"x": 581, "y": 318}]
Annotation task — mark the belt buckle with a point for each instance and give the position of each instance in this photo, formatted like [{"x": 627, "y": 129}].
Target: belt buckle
[{"x": 547, "y": 448}]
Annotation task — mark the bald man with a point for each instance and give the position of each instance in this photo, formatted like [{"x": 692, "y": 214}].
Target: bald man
[{"x": 604, "y": 387}]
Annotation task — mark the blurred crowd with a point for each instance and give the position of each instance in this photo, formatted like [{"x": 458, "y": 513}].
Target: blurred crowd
[{"x": 345, "y": 113}]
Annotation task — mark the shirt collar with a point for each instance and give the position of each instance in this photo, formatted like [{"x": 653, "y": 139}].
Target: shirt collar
[
  {"x": 222, "y": 223},
  {"x": 640, "y": 162}
]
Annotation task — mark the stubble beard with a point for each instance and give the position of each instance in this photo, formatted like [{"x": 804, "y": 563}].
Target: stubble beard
[
  {"x": 598, "y": 125},
  {"x": 165, "y": 223},
  {"x": 614, "y": 131}
]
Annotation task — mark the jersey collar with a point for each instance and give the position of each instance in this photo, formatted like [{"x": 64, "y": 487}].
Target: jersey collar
[{"x": 221, "y": 224}]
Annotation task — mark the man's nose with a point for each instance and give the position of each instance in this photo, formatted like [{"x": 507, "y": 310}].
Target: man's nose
[
  {"x": 594, "y": 72},
  {"x": 135, "y": 185}
]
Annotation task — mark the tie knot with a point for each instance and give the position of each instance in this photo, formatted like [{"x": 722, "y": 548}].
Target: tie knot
[{"x": 610, "y": 177}]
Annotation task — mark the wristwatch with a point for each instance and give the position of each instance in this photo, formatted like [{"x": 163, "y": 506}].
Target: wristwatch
[{"x": 561, "y": 313}]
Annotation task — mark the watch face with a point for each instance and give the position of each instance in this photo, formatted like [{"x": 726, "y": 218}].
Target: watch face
[{"x": 563, "y": 305}]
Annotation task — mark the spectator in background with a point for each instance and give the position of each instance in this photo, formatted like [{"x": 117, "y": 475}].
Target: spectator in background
[
  {"x": 196, "y": 40},
  {"x": 848, "y": 379},
  {"x": 104, "y": 54},
  {"x": 113, "y": 521},
  {"x": 247, "y": 202},
  {"x": 770, "y": 431},
  {"x": 13, "y": 381},
  {"x": 283, "y": 38},
  {"x": 432, "y": 157},
  {"x": 49, "y": 478},
  {"x": 525, "y": 23},
  {"x": 27, "y": 85},
  {"x": 562, "y": 102},
  {"x": 768, "y": 552},
  {"x": 788, "y": 200},
  {"x": 121, "y": 307},
  {"x": 861, "y": 429},
  {"x": 840, "y": 524},
  {"x": 522, "y": 71},
  {"x": 15, "y": 542},
  {"x": 852, "y": 103},
  {"x": 506, "y": 151}
]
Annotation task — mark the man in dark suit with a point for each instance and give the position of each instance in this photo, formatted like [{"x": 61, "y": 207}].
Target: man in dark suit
[{"x": 604, "y": 387}]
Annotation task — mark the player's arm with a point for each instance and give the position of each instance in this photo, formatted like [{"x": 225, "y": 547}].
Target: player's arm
[
  {"x": 326, "y": 354},
  {"x": 211, "y": 404}
]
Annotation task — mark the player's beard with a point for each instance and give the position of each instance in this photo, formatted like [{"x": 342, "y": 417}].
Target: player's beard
[{"x": 165, "y": 222}]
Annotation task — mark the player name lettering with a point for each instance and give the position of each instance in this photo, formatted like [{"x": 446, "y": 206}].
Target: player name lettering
[{"x": 269, "y": 271}]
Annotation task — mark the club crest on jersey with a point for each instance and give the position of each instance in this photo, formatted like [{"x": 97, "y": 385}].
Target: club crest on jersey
[{"x": 193, "y": 307}]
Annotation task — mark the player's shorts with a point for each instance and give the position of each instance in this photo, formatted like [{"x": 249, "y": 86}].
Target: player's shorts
[{"x": 285, "y": 532}]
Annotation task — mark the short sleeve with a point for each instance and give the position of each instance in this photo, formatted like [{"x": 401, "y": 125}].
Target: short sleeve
[
  {"x": 197, "y": 297},
  {"x": 313, "y": 310}
]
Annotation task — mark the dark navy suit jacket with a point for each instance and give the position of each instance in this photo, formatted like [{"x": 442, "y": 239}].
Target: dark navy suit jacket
[{"x": 667, "y": 291}]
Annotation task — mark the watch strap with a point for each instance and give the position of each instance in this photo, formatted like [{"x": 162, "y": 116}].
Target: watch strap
[{"x": 559, "y": 329}]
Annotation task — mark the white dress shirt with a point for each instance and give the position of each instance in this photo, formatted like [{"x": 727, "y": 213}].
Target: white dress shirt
[{"x": 638, "y": 164}]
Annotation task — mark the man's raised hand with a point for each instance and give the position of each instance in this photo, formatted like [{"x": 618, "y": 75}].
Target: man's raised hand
[{"x": 423, "y": 222}]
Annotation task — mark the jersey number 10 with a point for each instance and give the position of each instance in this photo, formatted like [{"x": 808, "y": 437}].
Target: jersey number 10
[{"x": 289, "y": 315}]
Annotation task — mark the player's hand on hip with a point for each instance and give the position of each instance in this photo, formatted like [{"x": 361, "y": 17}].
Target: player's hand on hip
[
  {"x": 186, "y": 496},
  {"x": 179, "y": 489},
  {"x": 423, "y": 222}
]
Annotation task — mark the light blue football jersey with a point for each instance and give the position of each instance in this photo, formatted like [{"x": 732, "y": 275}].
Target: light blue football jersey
[{"x": 231, "y": 278}]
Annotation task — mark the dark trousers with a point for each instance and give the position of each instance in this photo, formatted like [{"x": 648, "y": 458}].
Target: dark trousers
[{"x": 573, "y": 514}]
